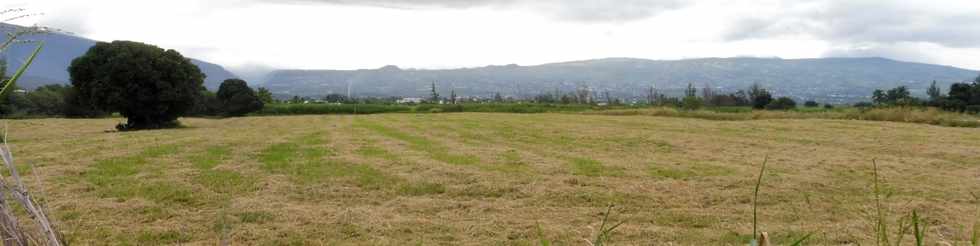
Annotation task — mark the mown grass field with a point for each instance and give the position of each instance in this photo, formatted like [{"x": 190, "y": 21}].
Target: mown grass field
[{"x": 492, "y": 179}]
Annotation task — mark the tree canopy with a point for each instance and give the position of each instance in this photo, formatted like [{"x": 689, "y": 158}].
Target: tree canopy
[
  {"x": 148, "y": 85},
  {"x": 237, "y": 99}
]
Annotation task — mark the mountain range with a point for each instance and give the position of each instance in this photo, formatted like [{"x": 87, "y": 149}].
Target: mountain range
[
  {"x": 51, "y": 65},
  {"x": 822, "y": 79},
  {"x": 825, "y": 79}
]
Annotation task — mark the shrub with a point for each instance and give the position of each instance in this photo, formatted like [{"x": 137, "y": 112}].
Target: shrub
[
  {"x": 863, "y": 105},
  {"x": 782, "y": 103},
  {"x": 972, "y": 109},
  {"x": 14, "y": 105},
  {"x": 237, "y": 99},
  {"x": 148, "y": 85},
  {"x": 811, "y": 104},
  {"x": 48, "y": 100},
  {"x": 692, "y": 103}
]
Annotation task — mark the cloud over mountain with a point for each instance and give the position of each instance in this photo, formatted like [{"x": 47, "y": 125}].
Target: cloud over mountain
[
  {"x": 571, "y": 10},
  {"x": 943, "y": 22}
]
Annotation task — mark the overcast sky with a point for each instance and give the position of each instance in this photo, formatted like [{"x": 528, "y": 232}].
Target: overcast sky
[{"x": 350, "y": 34}]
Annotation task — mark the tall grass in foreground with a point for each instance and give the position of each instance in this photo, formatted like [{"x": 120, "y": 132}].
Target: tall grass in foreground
[
  {"x": 605, "y": 232},
  {"x": 905, "y": 223},
  {"x": 762, "y": 239},
  {"x": 975, "y": 234},
  {"x": 11, "y": 230},
  {"x": 912, "y": 222}
]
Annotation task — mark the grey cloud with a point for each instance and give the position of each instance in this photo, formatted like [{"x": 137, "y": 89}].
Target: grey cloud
[
  {"x": 408, "y": 3},
  {"x": 72, "y": 23},
  {"x": 571, "y": 10},
  {"x": 898, "y": 51},
  {"x": 884, "y": 22},
  {"x": 601, "y": 11}
]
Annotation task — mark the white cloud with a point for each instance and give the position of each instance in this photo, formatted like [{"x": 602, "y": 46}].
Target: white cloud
[{"x": 348, "y": 34}]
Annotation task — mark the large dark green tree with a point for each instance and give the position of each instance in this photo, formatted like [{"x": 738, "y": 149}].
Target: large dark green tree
[
  {"x": 148, "y": 85},
  {"x": 963, "y": 97},
  {"x": 237, "y": 98}
]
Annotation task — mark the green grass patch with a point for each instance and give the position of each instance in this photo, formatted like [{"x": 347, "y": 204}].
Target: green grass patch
[
  {"x": 167, "y": 237},
  {"x": 687, "y": 171},
  {"x": 226, "y": 182},
  {"x": 376, "y": 152},
  {"x": 364, "y": 176},
  {"x": 120, "y": 178},
  {"x": 310, "y": 109},
  {"x": 306, "y": 160},
  {"x": 110, "y": 171},
  {"x": 421, "y": 189},
  {"x": 163, "y": 192},
  {"x": 279, "y": 156},
  {"x": 220, "y": 181},
  {"x": 520, "y": 108},
  {"x": 211, "y": 157},
  {"x": 511, "y": 162},
  {"x": 434, "y": 150},
  {"x": 483, "y": 191},
  {"x": 159, "y": 151},
  {"x": 592, "y": 198},
  {"x": 671, "y": 172},
  {"x": 255, "y": 217},
  {"x": 592, "y": 168}
]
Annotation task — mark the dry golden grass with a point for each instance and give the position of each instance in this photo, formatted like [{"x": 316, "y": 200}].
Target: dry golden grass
[{"x": 478, "y": 179}]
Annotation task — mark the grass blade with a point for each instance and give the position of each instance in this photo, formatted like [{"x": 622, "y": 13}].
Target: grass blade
[
  {"x": 881, "y": 229},
  {"x": 975, "y": 236},
  {"x": 920, "y": 233},
  {"x": 605, "y": 233},
  {"x": 755, "y": 199},
  {"x": 542, "y": 241},
  {"x": 800, "y": 241},
  {"x": 975, "y": 239},
  {"x": 9, "y": 85}
]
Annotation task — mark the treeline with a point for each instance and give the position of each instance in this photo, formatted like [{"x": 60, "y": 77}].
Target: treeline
[
  {"x": 963, "y": 97},
  {"x": 233, "y": 98},
  {"x": 150, "y": 86},
  {"x": 45, "y": 101},
  {"x": 58, "y": 100}
]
